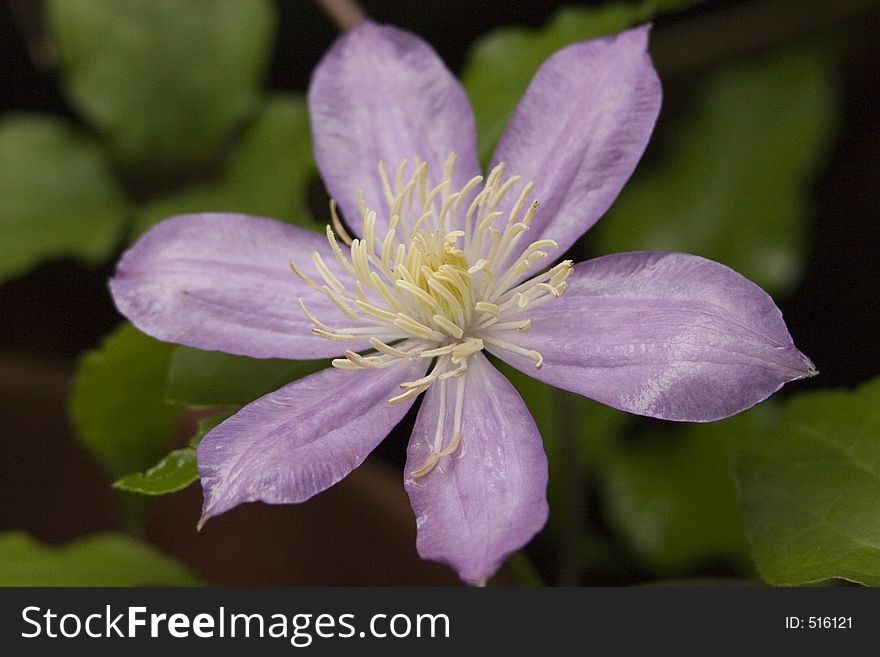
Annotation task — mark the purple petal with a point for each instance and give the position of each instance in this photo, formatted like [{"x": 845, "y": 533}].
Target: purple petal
[
  {"x": 383, "y": 94},
  {"x": 488, "y": 498},
  {"x": 223, "y": 282},
  {"x": 580, "y": 130},
  {"x": 301, "y": 439},
  {"x": 667, "y": 335}
]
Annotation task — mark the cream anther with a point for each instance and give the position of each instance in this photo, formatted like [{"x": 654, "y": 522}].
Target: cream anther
[{"x": 442, "y": 278}]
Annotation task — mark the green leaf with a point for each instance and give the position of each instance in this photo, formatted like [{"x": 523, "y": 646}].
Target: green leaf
[
  {"x": 163, "y": 79},
  {"x": 273, "y": 164},
  {"x": 501, "y": 64},
  {"x": 199, "y": 198},
  {"x": 58, "y": 196},
  {"x": 108, "y": 559},
  {"x": 671, "y": 495},
  {"x": 213, "y": 378},
  {"x": 809, "y": 486},
  {"x": 174, "y": 472},
  {"x": 205, "y": 425},
  {"x": 734, "y": 183},
  {"x": 119, "y": 402},
  {"x": 268, "y": 173}
]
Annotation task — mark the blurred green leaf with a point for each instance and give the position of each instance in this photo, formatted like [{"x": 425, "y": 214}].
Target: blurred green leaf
[
  {"x": 175, "y": 471},
  {"x": 119, "y": 403},
  {"x": 57, "y": 195},
  {"x": 809, "y": 486},
  {"x": 268, "y": 173},
  {"x": 501, "y": 64},
  {"x": 108, "y": 559},
  {"x": 213, "y": 378},
  {"x": 734, "y": 184},
  {"x": 199, "y": 198},
  {"x": 163, "y": 79},
  {"x": 273, "y": 164},
  {"x": 672, "y": 497}
]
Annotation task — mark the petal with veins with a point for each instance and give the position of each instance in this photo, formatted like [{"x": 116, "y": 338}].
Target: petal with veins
[
  {"x": 488, "y": 497},
  {"x": 223, "y": 282},
  {"x": 667, "y": 335},
  {"x": 580, "y": 129},
  {"x": 383, "y": 94},
  {"x": 300, "y": 440}
]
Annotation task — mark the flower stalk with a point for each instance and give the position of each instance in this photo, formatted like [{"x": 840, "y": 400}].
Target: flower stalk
[{"x": 345, "y": 13}]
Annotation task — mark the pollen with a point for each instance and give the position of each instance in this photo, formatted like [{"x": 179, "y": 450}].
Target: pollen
[{"x": 446, "y": 275}]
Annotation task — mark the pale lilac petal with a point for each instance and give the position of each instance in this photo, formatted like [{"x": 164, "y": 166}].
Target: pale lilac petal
[
  {"x": 383, "y": 94},
  {"x": 488, "y": 498},
  {"x": 223, "y": 282},
  {"x": 580, "y": 130},
  {"x": 300, "y": 440},
  {"x": 667, "y": 335}
]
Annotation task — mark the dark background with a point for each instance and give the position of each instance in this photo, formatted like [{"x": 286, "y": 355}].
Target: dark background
[{"x": 362, "y": 531}]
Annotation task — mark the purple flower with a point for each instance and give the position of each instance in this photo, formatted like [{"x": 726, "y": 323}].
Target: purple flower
[{"x": 446, "y": 265}]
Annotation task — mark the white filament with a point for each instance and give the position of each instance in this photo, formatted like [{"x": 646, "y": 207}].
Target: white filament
[{"x": 442, "y": 281}]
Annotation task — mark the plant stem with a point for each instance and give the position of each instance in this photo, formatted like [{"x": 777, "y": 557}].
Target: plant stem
[
  {"x": 735, "y": 29},
  {"x": 524, "y": 571},
  {"x": 345, "y": 13},
  {"x": 28, "y": 16},
  {"x": 571, "y": 564}
]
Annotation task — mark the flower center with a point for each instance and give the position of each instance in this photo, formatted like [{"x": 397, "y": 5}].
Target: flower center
[
  {"x": 444, "y": 278},
  {"x": 439, "y": 269}
]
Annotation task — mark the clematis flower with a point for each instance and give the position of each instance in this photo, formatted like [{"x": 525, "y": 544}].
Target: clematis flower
[{"x": 445, "y": 265}]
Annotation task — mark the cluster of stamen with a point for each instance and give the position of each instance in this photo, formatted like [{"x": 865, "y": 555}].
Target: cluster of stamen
[{"x": 442, "y": 282}]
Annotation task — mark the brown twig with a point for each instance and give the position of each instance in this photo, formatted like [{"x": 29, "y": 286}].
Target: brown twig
[
  {"x": 345, "y": 13},
  {"x": 570, "y": 567},
  {"x": 28, "y": 16},
  {"x": 693, "y": 44}
]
